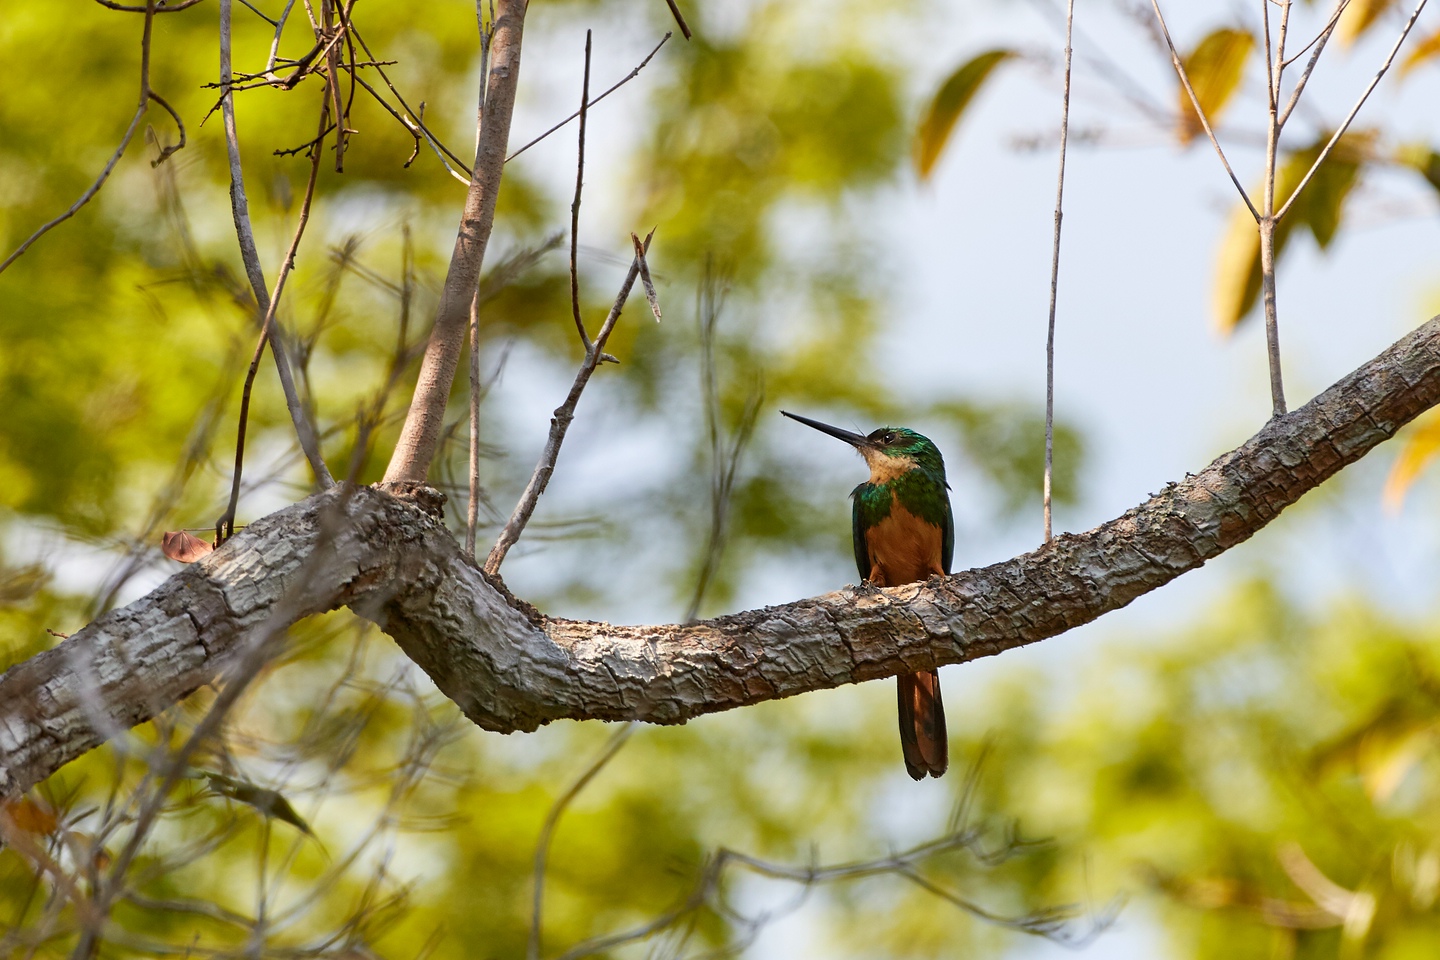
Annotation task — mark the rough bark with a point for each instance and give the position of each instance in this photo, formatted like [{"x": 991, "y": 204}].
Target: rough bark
[{"x": 510, "y": 668}]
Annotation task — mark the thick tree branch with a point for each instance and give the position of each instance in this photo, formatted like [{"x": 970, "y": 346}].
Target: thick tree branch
[
  {"x": 420, "y": 436},
  {"x": 510, "y": 668}
]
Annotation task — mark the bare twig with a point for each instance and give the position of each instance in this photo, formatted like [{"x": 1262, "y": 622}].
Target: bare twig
[
  {"x": 559, "y": 424},
  {"x": 250, "y": 255},
  {"x": 275, "y": 42},
  {"x": 472, "y": 507},
  {"x": 1340, "y": 132},
  {"x": 167, "y": 151},
  {"x": 411, "y": 125},
  {"x": 225, "y": 526},
  {"x": 547, "y": 831},
  {"x": 616, "y": 86},
  {"x": 679, "y": 18},
  {"x": 425, "y": 420},
  {"x": 150, "y": 9},
  {"x": 1055, "y": 274},
  {"x": 575, "y": 206},
  {"x": 1199, "y": 112}
]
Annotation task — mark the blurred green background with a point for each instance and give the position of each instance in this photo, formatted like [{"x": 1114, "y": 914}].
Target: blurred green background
[{"x": 1244, "y": 765}]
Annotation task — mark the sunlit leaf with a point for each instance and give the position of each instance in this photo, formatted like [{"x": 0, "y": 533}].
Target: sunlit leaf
[
  {"x": 271, "y": 803},
  {"x": 1358, "y": 17},
  {"x": 1215, "y": 67},
  {"x": 1425, "y": 50},
  {"x": 949, "y": 103},
  {"x": 1319, "y": 207},
  {"x": 184, "y": 547},
  {"x": 1421, "y": 447}
]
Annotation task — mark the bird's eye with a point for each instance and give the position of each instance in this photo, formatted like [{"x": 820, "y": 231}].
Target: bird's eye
[{"x": 889, "y": 438}]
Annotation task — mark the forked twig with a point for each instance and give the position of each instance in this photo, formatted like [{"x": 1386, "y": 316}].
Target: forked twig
[
  {"x": 225, "y": 526},
  {"x": 559, "y": 424},
  {"x": 616, "y": 86},
  {"x": 1340, "y": 132}
]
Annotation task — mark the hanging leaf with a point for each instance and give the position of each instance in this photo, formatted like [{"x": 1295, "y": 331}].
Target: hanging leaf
[
  {"x": 1421, "y": 447},
  {"x": 1319, "y": 207},
  {"x": 179, "y": 545},
  {"x": 1358, "y": 17},
  {"x": 1214, "y": 67},
  {"x": 271, "y": 803},
  {"x": 1427, "y": 49},
  {"x": 949, "y": 103}
]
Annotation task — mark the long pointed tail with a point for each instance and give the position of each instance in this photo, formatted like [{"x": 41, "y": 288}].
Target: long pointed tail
[{"x": 922, "y": 724}]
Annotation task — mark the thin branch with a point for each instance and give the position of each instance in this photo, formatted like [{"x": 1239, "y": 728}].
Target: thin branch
[
  {"x": 225, "y": 526},
  {"x": 679, "y": 18},
  {"x": 275, "y": 42},
  {"x": 559, "y": 424},
  {"x": 1274, "y": 73},
  {"x": 435, "y": 141},
  {"x": 1334, "y": 139},
  {"x": 1055, "y": 274},
  {"x": 472, "y": 507},
  {"x": 575, "y": 206},
  {"x": 140, "y": 110},
  {"x": 616, "y": 86},
  {"x": 419, "y": 131},
  {"x": 250, "y": 255},
  {"x": 1199, "y": 112},
  {"x": 547, "y": 831},
  {"x": 1318, "y": 43},
  {"x": 167, "y": 151}
]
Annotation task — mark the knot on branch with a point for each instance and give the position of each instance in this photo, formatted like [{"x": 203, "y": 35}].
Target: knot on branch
[{"x": 423, "y": 496}]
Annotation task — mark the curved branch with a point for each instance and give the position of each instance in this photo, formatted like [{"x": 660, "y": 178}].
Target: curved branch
[{"x": 510, "y": 668}]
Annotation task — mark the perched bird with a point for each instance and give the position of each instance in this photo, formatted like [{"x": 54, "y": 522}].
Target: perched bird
[{"x": 904, "y": 533}]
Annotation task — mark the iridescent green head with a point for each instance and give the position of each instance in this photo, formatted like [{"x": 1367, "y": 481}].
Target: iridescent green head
[{"x": 890, "y": 452}]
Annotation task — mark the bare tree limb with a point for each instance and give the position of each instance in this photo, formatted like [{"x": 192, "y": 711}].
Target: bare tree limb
[
  {"x": 510, "y": 668},
  {"x": 240, "y": 209},
  {"x": 575, "y": 207},
  {"x": 420, "y": 436}
]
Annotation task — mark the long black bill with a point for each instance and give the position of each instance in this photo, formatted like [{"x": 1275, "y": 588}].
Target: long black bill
[{"x": 854, "y": 439}]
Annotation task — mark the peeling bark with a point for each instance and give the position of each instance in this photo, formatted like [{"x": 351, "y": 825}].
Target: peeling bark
[{"x": 510, "y": 668}]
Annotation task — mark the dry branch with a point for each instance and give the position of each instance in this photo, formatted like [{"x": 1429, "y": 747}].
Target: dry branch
[{"x": 510, "y": 668}]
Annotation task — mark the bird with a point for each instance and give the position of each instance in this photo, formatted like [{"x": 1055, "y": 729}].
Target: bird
[{"x": 904, "y": 532}]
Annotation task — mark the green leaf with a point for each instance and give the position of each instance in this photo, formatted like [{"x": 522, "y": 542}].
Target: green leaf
[
  {"x": 949, "y": 103},
  {"x": 1424, "y": 158},
  {"x": 1215, "y": 67}
]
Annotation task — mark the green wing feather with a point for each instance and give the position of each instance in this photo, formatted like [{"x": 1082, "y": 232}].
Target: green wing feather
[
  {"x": 857, "y": 527},
  {"x": 947, "y": 546}
]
